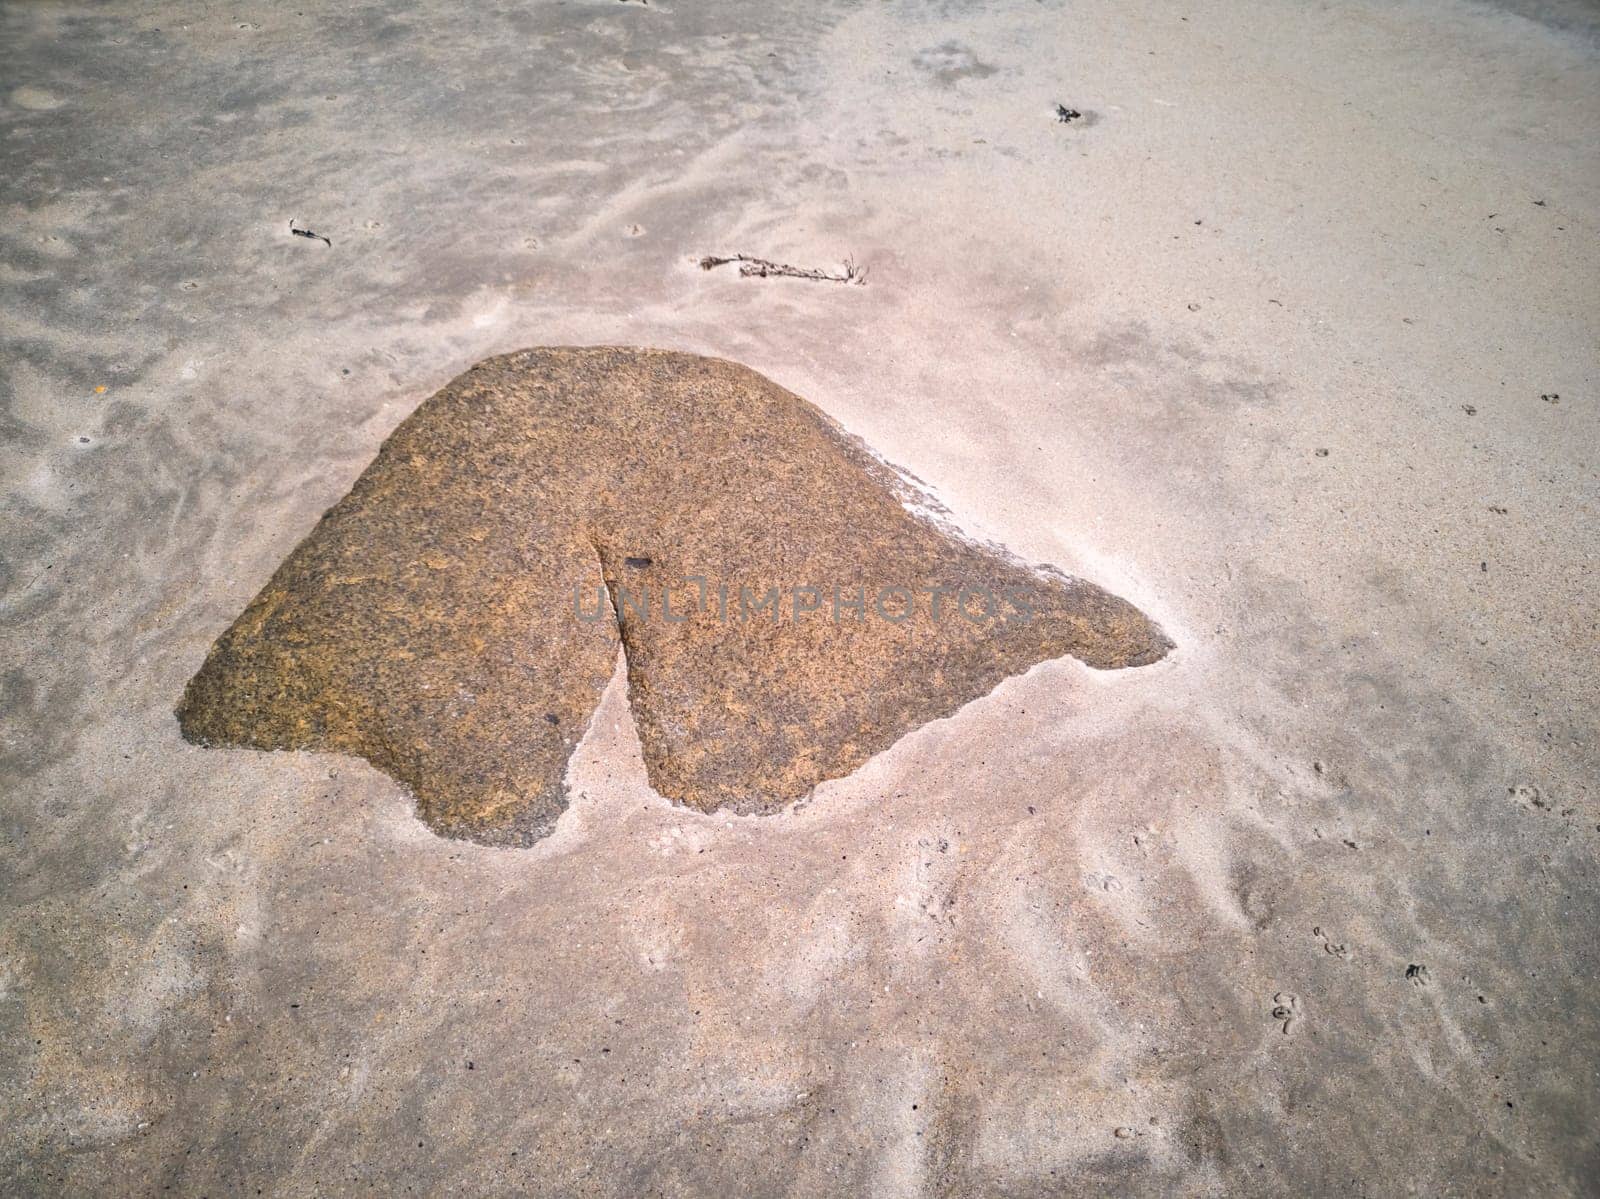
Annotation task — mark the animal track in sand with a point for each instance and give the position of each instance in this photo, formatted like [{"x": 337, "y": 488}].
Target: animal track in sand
[
  {"x": 1332, "y": 948},
  {"x": 456, "y": 616},
  {"x": 1286, "y": 1011}
]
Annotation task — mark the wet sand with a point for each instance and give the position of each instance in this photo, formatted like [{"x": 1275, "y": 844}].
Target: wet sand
[{"x": 1289, "y": 340}]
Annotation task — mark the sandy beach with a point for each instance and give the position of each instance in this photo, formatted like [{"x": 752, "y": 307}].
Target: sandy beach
[{"x": 1290, "y": 337}]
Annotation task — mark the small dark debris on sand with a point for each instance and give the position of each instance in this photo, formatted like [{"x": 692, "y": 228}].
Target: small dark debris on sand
[
  {"x": 1068, "y": 115},
  {"x": 763, "y": 268},
  {"x": 308, "y": 234}
]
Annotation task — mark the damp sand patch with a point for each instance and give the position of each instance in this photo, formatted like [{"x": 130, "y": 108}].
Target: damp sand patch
[{"x": 787, "y": 603}]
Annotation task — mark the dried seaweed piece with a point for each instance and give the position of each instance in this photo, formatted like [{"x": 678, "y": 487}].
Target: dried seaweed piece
[
  {"x": 787, "y": 603},
  {"x": 762, "y": 268},
  {"x": 307, "y": 233}
]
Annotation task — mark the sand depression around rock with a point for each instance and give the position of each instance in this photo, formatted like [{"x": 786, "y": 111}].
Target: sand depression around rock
[{"x": 788, "y": 604}]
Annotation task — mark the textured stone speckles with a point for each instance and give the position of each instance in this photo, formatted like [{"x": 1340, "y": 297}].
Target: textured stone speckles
[{"x": 783, "y": 611}]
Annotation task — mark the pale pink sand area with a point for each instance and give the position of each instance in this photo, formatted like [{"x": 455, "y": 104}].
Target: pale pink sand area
[{"x": 1289, "y": 339}]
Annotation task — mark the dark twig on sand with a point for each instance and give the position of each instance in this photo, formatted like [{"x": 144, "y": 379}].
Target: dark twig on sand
[
  {"x": 762, "y": 268},
  {"x": 308, "y": 233}
]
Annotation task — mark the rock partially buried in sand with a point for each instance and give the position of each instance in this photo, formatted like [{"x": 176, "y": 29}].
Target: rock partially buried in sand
[{"x": 788, "y": 604}]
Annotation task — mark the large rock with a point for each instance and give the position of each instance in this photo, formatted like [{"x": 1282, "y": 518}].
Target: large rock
[{"x": 454, "y": 619}]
